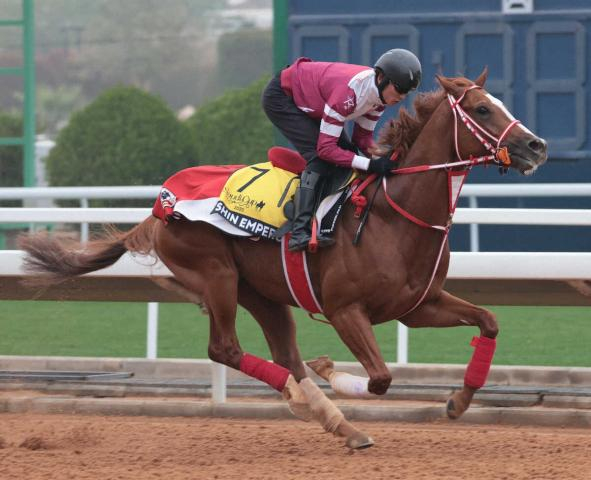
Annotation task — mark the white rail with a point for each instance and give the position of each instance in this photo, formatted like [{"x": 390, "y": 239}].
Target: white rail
[
  {"x": 78, "y": 193},
  {"x": 465, "y": 265},
  {"x": 151, "y": 191},
  {"x": 483, "y": 216},
  {"x": 526, "y": 190},
  {"x": 526, "y": 266},
  {"x": 472, "y": 191}
]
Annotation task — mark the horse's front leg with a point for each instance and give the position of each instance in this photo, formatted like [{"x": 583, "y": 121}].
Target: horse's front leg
[
  {"x": 450, "y": 311},
  {"x": 353, "y": 326},
  {"x": 305, "y": 399}
]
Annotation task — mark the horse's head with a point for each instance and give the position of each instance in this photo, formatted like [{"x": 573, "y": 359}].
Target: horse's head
[{"x": 486, "y": 117}]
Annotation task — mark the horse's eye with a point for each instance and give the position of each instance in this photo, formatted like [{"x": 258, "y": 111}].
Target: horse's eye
[{"x": 482, "y": 110}]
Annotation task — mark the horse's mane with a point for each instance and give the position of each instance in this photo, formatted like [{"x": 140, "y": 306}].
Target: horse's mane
[{"x": 401, "y": 133}]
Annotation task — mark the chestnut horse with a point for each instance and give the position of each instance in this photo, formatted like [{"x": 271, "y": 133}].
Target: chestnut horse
[{"x": 396, "y": 272}]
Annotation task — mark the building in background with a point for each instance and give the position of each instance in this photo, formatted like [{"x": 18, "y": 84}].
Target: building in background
[{"x": 536, "y": 52}]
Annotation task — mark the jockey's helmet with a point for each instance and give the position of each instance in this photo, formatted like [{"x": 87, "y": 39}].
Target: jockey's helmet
[{"x": 399, "y": 67}]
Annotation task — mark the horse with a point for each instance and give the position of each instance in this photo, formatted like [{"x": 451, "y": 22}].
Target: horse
[{"x": 397, "y": 270}]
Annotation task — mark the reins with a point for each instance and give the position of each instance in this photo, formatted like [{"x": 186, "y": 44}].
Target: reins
[
  {"x": 498, "y": 155},
  {"x": 456, "y": 178}
]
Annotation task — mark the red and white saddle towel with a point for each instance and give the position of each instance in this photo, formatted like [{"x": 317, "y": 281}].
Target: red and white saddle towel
[{"x": 193, "y": 193}]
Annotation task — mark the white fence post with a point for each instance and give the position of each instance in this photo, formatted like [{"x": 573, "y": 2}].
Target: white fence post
[
  {"x": 152, "y": 340},
  {"x": 402, "y": 347},
  {"x": 84, "y": 230},
  {"x": 218, "y": 382},
  {"x": 474, "y": 234}
]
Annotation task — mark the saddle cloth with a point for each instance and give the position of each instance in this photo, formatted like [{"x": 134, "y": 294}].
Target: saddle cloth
[
  {"x": 249, "y": 201},
  {"x": 245, "y": 200},
  {"x": 253, "y": 198}
]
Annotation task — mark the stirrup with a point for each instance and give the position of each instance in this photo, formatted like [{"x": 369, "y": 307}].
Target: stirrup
[
  {"x": 317, "y": 240},
  {"x": 296, "y": 246},
  {"x": 325, "y": 241}
]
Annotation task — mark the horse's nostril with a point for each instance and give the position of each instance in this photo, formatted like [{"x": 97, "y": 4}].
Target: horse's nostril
[{"x": 537, "y": 145}]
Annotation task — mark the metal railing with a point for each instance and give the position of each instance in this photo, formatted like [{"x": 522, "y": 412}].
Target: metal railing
[
  {"x": 470, "y": 191},
  {"x": 471, "y": 216}
]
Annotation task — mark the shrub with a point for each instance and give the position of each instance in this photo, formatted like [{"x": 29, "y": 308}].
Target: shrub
[
  {"x": 11, "y": 157},
  {"x": 233, "y": 128},
  {"x": 124, "y": 137}
]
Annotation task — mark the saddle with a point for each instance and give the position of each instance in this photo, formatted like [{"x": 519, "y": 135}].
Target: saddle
[{"x": 259, "y": 198}]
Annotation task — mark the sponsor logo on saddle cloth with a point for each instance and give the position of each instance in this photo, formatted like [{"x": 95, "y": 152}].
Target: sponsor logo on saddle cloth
[{"x": 253, "y": 198}]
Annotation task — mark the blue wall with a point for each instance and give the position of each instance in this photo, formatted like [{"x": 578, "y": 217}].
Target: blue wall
[{"x": 537, "y": 65}]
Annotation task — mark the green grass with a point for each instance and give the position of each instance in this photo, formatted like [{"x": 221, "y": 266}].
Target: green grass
[{"x": 529, "y": 336}]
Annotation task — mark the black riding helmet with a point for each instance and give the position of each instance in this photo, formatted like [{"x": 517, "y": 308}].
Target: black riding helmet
[{"x": 401, "y": 68}]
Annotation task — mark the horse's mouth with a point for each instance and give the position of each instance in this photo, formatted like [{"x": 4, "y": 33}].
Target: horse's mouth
[
  {"x": 529, "y": 171},
  {"x": 524, "y": 165}
]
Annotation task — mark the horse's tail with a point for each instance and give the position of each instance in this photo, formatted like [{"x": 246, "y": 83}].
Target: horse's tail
[{"x": 53, "y": 259}]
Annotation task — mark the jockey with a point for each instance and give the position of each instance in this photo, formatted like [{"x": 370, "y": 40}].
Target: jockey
[{"x": 309, "y": 102}]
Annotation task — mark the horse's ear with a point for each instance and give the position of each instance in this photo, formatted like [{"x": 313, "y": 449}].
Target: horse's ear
[
  {"x": 481, "y": 80},
  {"x": 449, "y": 86}
]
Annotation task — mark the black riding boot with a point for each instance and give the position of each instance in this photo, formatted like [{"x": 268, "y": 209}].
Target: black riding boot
[{"x": 305, "y": 201}]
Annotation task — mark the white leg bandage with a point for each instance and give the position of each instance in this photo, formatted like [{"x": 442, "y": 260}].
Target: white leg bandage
[
  {"x": 326, "y": 412},
  {"x": 349, "y": 385}
]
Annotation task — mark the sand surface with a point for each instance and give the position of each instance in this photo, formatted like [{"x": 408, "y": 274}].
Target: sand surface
[{"x": 77, "y": 447}]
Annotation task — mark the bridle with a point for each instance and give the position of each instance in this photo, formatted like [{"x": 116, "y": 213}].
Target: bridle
[
  {"x": 456, "y": 178},
  {"x": 498, "y": 154}
]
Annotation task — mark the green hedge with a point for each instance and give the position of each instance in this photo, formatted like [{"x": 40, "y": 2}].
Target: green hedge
[
  {"x": 233, "y": 129},
  {"x": 11, "y": 157},
  {"x": 125, "y": 137}
]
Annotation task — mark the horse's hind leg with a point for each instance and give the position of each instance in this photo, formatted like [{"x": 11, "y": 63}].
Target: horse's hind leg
[
  {"x": 279, "y": 329},
  {"x": 201, "y": 259},
  {"x": 450, "y": 311},
  {"x": 209, "y": 271},
  {"x": 306, "y": 400},
  {"x": 278, "y": 326}
]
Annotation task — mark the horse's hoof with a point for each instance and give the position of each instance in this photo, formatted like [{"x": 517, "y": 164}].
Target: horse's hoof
[
  {"x": 451, "y": 410},
  {"x": 296, "y": 400},
  {"x": 300, "y": 410},
  {"x": 456, "y": 406},
  {"x": 359, "y": 442},
  {"x": 322, "y": 366}
]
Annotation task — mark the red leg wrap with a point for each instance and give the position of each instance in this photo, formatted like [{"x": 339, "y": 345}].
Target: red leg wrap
[
  {"x": 270, "y": 373},
  {"x": 479, "y": 366}
]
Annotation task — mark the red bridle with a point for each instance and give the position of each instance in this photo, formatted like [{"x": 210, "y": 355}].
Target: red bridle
[
  {"x": 456, "y": 179},
  {"x": 498, "y": 153}
]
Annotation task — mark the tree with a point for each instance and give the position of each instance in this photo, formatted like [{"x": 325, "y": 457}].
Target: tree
[
  {"x": 125, "y": 137},
  {"x": 147, "y": 43},
  {"x": 11, "y": 157},
  {"x": 244, "y": 56},
  {"x": 233, "y": 128}
]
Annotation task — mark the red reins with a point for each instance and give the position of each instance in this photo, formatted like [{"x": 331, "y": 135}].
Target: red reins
[
  {"x": 498, "y": 154},
  {"x": 456, "y": 179}
]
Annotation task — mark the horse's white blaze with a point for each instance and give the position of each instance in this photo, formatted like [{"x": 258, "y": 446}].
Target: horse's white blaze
[{"x": 501, "y": 105}]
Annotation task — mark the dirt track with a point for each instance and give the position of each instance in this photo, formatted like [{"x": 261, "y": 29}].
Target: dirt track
[{"x": 59, "y": 447}]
